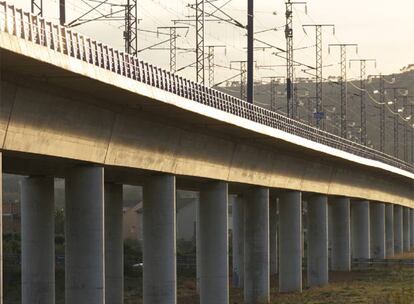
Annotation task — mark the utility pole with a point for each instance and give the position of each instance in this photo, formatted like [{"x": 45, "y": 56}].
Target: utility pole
[
  {"x": 250, "y": 51},
  {"x": 131, "y": 27},
  {"x": 62, "y": 12},
  {"x": 200, "y": 71},
  {"x": 173, "y": 44},
  {"x": 37, "y": 7},
  {"x": 243, "y": 78},
  {"x": 343, "y": 47},
  {"x": 291, "y": 102},
  {"x": 363, "y": 115},
  {"x": 319, "y": 115},
  {"x": 210, "y": 62}
]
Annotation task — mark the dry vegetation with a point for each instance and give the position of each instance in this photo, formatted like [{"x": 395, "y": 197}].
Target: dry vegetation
[{"x": 380, "y": 285}]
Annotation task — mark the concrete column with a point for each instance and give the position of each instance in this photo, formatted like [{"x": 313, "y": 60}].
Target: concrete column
[
  {"x": 290, "y": 241},
  {"x": 406, "y": 229},
  {"x": 84, "y": 236},
  {"x": 341, "y": 234},
  {"x": 398, "y": 229},
  {"x": 238, "y": 241},
  {"x": 412, "y": 229},
  {"x": 377, "y": 219},
  {"x": 360, "y": 229},
  {"x": 317, "y": 240},
  {"x": 38, "y": 240},
  {"x": 389, "y": 230},
  {"x": 256, "y": 247},
  {"x": 159, "y": 251},
  {"x": 214, "y": 273},
  {"x": 1, "y": 228},
  {"x": 114, "y": 245},
  {"x": 273, "y": 236}
]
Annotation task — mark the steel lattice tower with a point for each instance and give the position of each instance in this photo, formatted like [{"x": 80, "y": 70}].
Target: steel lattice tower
[
  {"x": 319, "y": 72},
  {"x": 382, "y": 113},
  {"x": 200, "y": 72},
  {"x": 362, "y": 83},
  {"x": 131, "y": 27},
  {"x": 289, "y": 60},
  {"x": 405, "y": 105},
  {"x": 290, "y": 87},
  {"x": 37, "y": 7},
  {"x": 243, "y": 77},
  {"x": 210, "y": 62},
  {"x": 343, "y": 83}
]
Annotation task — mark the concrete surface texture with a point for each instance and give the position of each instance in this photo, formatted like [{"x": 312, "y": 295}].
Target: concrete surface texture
[
  {"x": 214, "y": 265},
  {"x": 38, "y": 240},
  {"x": 84, "y": 236},
  {"x": 114, "y": 245},
  {"x": 290, "y": 241},
  {"x": 341, "y": 233},
  {"x": 317, "y": 240},
  {"x": 159, "y": 251},
  {"x": 256, "y": 247},
  {"x": 377, "y": 219}
]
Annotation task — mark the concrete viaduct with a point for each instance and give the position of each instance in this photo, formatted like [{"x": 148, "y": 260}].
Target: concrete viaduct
[{"x": 75, "y": 108}]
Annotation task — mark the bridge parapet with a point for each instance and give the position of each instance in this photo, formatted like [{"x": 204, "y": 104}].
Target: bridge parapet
[{"x": 64, "y": 40}]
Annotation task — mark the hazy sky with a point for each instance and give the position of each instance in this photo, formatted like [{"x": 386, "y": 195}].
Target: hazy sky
[{"x": 383, "y": 30}]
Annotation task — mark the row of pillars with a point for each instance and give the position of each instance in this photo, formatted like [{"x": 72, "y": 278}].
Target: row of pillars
[{"x": 267, "y": 239}]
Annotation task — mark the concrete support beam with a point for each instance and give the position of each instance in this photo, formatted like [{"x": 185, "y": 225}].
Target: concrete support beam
[
  {"x": 238, "y": 241},
  {"x": 341, "y": 234},
  {"x": 84, "y": 230},
  {"x": 318, "y": 240},
  {"x": 214, "y": 273},
  {"x": 412, "y": 228},
  {"x": 256, "y": 247},
  {"x": 273, "y": 236},
  {"x": 398, "y": 229},
  {"x": 290, "y": 241},
  {"x": 377, "y": 218},
  {"x": 114, "y": 245},
  {"x": 159, "y": 251},
  {"x": 38, "y": 240},
  {"x": 389, "y": 230},
  {"x": 406, "y": 229},
  {"x": 360, "y": 229}
]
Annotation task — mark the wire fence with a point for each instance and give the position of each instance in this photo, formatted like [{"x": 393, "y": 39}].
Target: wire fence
[{"x": 64, "y": 40}]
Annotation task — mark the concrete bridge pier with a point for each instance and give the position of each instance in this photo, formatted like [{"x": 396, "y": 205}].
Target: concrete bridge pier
[
  {"x": 398, "y": 229},
  {"x": 273, "y": 236},
  {"x": 406, "y": 229},
  {"x": 213, "y": 254},
  {"x": 114, "y": 247},
  {"x": 159, "y": 239},
  {"x": 318, "y": 240},
  {"x": 341, "y": 234},
  {"x": 84, "y": 231},
  {"x": 360, "y": 229},
  {"x": 290, "y": 241},
  {"x": 377, "y": 219},
  {"x": 412, "y": 228},
  {"x": 256, "y": 247},
  {"x": 38, "y": 240},
  {"x": 389, "y": 230},
  {"x": 238, "y": 241}
]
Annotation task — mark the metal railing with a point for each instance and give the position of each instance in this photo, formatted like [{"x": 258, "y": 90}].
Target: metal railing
[{"x": 63, "y": 40}]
